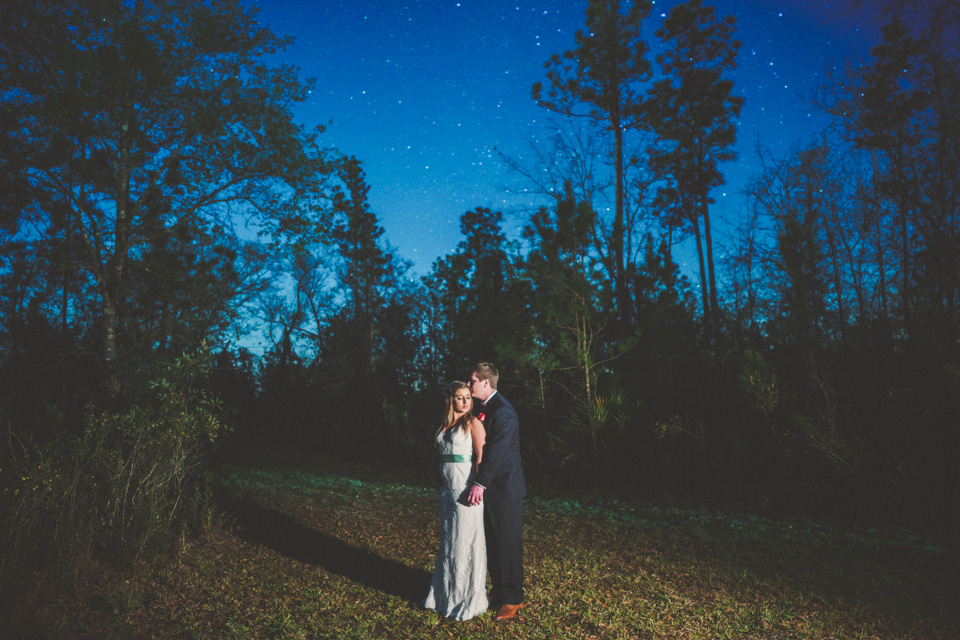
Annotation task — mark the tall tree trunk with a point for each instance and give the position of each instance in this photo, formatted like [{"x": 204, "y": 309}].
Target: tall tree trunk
[
  {"x": 882, "y": 272},
  {"x": 112, "y": 296},
  {"x": 707, "y": 319},
  {"x": 837, "y": 281},
  {"x": 904, "y": 263},
  {"x": 708, "y": 240},
  {"x": 881, "y": 259},
  {"x": 620, "y": 280},
  {"x": 110, "y": 356},
  {"x": 585, "y": 345},
  {"x": 903, "y": 206}
]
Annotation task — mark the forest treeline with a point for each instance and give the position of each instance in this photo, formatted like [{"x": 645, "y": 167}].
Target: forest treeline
[{"x": 160, "y": 205}]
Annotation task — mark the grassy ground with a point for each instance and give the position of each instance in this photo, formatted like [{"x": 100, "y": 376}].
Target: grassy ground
[{"x": 317, "y": 550}]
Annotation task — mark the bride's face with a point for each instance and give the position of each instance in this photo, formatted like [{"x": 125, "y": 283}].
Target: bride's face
[{"x": 462, "y": 401}]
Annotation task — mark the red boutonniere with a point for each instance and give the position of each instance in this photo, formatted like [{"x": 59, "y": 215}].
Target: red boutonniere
[{"x": 482, "y": 416}]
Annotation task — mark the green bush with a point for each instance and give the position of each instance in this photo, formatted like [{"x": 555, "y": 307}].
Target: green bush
[{"x": 132, "y": 482}]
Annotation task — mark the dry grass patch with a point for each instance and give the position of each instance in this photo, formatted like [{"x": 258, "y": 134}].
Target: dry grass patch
[{"x": 312, "y": 549}]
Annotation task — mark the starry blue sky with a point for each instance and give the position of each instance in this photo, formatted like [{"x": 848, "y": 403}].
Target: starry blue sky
[{"x": 427, "y": 92}]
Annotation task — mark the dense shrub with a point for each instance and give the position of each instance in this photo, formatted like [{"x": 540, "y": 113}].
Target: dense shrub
[{"x": 133, "y": 481}]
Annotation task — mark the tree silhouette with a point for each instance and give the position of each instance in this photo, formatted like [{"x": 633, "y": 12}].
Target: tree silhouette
[
  {"x": 887, "y": 123},
  {"x": 572, "y": 314},
  {"x": 366, "y": 268},
  {"x": 135, "y": 120},
  {"x": 600, "y": 80},
  {"x": 692, "y": 112},
  {"x": 480, "y": 296}
]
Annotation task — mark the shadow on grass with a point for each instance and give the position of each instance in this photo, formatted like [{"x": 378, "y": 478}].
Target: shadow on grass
[{"x": 291, "y": 538}]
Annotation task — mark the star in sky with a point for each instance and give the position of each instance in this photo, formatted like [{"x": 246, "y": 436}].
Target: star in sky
[{"x": 428, "y": 93}]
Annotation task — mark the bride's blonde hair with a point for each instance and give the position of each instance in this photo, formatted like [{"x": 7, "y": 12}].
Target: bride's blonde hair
[{"x": 449, "y": 419}]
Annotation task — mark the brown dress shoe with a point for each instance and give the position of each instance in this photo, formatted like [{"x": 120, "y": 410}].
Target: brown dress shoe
[{"x": 507, "y": 611}]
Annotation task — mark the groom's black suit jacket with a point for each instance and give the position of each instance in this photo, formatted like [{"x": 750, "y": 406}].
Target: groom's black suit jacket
[{"x": 500, "y": 470}]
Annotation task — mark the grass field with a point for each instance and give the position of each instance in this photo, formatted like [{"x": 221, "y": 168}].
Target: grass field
[{"x": 315, "y": 549}]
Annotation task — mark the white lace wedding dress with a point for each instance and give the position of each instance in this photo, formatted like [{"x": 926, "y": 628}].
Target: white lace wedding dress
[{"x": 458, "y": 589}]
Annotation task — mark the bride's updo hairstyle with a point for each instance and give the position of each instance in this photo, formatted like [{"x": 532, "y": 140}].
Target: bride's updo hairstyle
[{"x": 449, "y": 419}]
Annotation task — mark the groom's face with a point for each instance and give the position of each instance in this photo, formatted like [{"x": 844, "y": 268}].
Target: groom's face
[{"x": 479, "y": 388}]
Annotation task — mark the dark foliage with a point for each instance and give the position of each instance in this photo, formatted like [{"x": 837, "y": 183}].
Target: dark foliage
[{"x": 815, "y": 371}]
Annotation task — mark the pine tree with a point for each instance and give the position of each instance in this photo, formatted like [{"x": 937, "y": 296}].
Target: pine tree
[
  {"x": 692, "y": 112},
  {"x": 600, "y": 80}
]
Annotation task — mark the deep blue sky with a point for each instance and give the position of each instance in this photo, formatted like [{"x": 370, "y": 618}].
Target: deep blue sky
[{"x": 425, "y": 92}]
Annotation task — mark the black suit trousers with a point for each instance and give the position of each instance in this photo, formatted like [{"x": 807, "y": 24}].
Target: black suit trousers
[{"x": 503, "y": 522}]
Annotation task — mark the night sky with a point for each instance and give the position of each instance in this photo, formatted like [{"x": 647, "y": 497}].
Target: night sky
[{"x": 425, "y": 93}]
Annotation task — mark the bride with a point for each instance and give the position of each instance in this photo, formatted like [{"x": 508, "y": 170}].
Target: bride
[{"x": 458, "y": 588}]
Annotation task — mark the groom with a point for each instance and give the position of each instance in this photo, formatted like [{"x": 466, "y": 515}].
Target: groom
[{"x": 500, "y": 485}]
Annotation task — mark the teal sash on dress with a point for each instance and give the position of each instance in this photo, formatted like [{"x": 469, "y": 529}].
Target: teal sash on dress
[{"x": 456, "y": 457}]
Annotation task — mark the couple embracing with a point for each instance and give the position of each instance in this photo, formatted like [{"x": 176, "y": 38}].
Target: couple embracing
[{"x": 481, "y": 502}]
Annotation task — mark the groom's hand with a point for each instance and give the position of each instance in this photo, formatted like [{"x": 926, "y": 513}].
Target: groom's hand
[{"x": 476, "y": 495}]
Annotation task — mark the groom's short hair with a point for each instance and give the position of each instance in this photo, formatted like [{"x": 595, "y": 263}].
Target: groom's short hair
[{"x": 486, "y": 371}]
